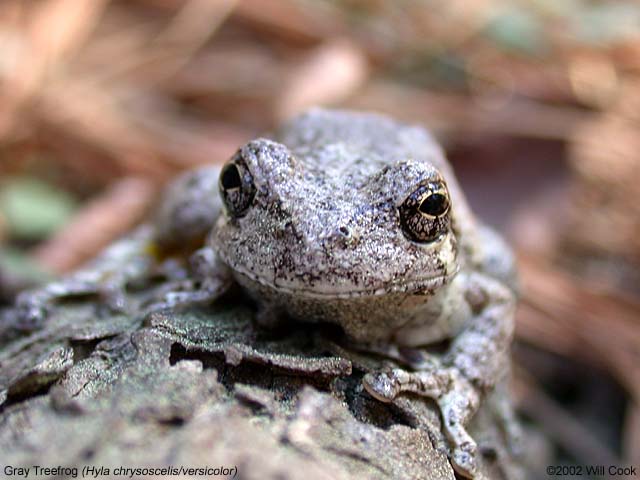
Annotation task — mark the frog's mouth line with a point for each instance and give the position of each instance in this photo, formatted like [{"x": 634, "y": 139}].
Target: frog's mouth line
[{"x": 421, "y": 286}]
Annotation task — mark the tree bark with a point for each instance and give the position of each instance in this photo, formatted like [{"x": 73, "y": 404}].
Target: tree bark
[{"x": 205, "y": 387}]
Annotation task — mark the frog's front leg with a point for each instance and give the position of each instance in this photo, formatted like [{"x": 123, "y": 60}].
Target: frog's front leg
[
  {"x": 476, "y": 361},
  {"x": 187, "y": 212},
  {"x": 127, "y": 259}
]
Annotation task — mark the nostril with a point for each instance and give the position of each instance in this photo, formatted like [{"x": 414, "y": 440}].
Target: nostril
[
  {"x": 340, "y": 237},
  {"x": 344, "y": 231}
]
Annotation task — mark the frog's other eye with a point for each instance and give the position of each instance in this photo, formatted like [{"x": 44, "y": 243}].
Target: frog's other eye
[
  {"x": 230, "y": 177},
  {"x": 424, "y": 214},
  {"x": 236, "y": 187}
]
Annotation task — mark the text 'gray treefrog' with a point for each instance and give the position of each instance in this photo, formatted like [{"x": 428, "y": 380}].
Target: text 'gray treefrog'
[{"x": 349, "y": 218}]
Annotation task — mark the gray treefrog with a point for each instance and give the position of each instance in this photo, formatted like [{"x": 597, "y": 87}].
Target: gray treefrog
[{"x": 349, "y": 218}]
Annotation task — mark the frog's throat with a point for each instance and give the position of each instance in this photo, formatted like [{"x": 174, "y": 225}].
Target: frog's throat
[{"x": 423, "y": 286}]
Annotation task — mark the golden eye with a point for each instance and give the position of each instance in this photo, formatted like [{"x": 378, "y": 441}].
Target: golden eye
[
  {"x": 236, "y": 187},
  {"x": 424, "y": 213}
]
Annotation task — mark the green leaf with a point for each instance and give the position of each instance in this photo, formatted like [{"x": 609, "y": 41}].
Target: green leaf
[
  {"x": 34, "y": 209},
  {"x": 20, "y": 265},
  {"x": 517, "y": 30}
]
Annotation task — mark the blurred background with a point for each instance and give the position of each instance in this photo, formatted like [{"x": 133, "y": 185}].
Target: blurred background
[{"x": 537, "y": 103}]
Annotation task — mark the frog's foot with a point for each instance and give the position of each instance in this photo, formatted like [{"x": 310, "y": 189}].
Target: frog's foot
[
  {"x": 388, "y": 384},
  {"x": 209, "y": 279},
  {"x": 456, "y": 397},
  {"x": 192, "y": 296},
  {"x": 188, "y": 293},
  {"x": 34, "y": 306},
  {"x": 457, "y": 407}
]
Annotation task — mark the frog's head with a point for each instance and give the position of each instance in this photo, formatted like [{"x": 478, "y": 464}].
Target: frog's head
[{"x": 344, "y": 227}]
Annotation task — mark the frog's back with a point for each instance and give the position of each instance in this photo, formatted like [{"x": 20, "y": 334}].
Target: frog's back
[{"x": 340, "y": 139}]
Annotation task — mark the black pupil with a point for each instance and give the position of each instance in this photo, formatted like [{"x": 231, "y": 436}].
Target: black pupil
[
  {"x": 434, "y": 205},
  {"x": 230, "y": 177}
]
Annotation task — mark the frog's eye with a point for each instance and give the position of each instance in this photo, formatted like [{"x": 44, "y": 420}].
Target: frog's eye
[
  {"x": 236, "y": 187},
  {"x": 434, "y": 204},
  {"x": 424, "y": 214}
]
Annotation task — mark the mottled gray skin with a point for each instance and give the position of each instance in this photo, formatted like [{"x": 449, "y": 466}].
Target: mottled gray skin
[{"x": 322, "y": 240}]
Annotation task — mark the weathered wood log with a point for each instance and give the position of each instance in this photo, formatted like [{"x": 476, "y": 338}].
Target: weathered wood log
[{"x": 204, "y": 387}]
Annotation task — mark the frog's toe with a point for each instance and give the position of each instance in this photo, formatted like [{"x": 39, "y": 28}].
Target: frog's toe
[
  {"x": 30, "y": 312},
  {"x": 115, "y": 298},
  {"x": 464, "y": 459},
  {"x": 382, "y": 386}
]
